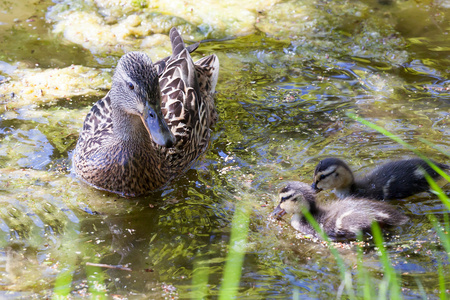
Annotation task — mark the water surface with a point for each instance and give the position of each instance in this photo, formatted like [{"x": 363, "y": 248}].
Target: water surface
[{"x": 289, "y": 76}]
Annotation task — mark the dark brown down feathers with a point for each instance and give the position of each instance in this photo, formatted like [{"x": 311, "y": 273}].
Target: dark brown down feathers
[{"x": 392, "y": 180}]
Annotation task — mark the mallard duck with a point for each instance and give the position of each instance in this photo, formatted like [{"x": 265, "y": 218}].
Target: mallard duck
[
  {"x": 148, "y": 129},
  {"x": 392, "y": 180},
  {"x": 341, "y": 219}
]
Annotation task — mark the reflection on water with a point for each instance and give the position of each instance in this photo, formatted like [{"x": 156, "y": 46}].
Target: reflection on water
[{"x": 282, "y": 100}]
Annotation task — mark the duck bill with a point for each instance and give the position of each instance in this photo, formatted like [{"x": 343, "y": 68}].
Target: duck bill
[
  {"x": 157, "y": 126},
  {"x": 278, "y": 212},
  {"x": 315, "y": 188}
]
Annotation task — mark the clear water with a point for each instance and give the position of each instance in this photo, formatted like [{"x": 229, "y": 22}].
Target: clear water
[{"x": 283, "y": 99}]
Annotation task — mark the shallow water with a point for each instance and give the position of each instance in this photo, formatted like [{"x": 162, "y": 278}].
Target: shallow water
[{"x": 284, "y": 92}]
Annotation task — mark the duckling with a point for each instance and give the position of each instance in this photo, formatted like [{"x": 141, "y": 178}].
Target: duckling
[
  {"x": 341, "y": 220},
  {"x": 392, "y": 180},
  {"x": 152, "y": 125}
]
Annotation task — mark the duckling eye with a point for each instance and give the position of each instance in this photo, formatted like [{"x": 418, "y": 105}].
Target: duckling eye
[
  {"x": 284, "y": 199},
  {"x": 321, "y": 177},
  {"x": 131, "y": 86}
]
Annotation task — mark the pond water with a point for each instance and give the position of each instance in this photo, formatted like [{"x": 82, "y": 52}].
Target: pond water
[{"x": 290, "y": 73}]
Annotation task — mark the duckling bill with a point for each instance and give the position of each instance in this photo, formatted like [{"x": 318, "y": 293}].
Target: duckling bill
[
  {"x": 392, "y": 180},
  {"x": 152, "y": 125},
  {"x": 341, "y": 220}
]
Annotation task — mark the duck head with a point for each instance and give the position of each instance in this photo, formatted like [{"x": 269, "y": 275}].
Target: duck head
[
  {"x": 332, "y": 173},
  {"x": 293, "y": 198},
  {"x": 135, "y": 91}
]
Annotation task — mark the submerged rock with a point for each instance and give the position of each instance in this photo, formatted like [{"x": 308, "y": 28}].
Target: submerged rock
[
  {"x": 37, "y": 86},
  {"x": 116, "y": 26}
]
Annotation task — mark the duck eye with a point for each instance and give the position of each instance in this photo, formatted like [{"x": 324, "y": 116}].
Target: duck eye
[
  {"x": 283, "y": 199},
  {"x": 321, "y": 177},
  {"x": 131, "y": 86}
]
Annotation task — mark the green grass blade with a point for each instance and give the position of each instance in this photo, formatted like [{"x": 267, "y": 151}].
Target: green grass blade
[
  {"x": 438, "y": 191},
  {"x": 63, "y": 284},
  {"x": 363, "y": 275},
  {"x": 380, "y": 130},
  {"x": 200, "y": 280},
  {"x": 236, "y": 253},
  {"x": 444, "y": 237},
  {"x": 340, "y": 262},
  {"x": 440, "y": 149},
  {"x": 442, "y": 292},
  {"x": 401, "y": 142},
  {"x": 444, "y": 234},
  {"x": 390, "y": 275}
]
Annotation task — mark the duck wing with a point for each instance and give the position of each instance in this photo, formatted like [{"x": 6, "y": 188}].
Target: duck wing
[
  {"x": 207, "y": 70},
  {"x": 97, "y": 126},
  {"x": 180, "y": 96}
]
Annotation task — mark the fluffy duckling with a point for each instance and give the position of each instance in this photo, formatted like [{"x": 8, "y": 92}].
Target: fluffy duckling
[
  {"x": 392, "y": 180},
  {"x": 342, "y": 219}
]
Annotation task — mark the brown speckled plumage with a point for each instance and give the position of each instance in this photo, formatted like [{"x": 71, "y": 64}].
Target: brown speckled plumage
[{"x": 117, "y": 151}]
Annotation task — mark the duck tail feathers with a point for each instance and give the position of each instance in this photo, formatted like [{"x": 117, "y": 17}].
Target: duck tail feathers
[
  {"x": 390, "y": 216},
  {"x": 208, "y": 66},
  {"x": 177, "y": 42}
]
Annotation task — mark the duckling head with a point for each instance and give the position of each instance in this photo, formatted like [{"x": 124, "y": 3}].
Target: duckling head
[
  {"x": 332, "y": 173},
  {"x": 135, "y": 91},
  {"x": 295, "y": 197}
]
